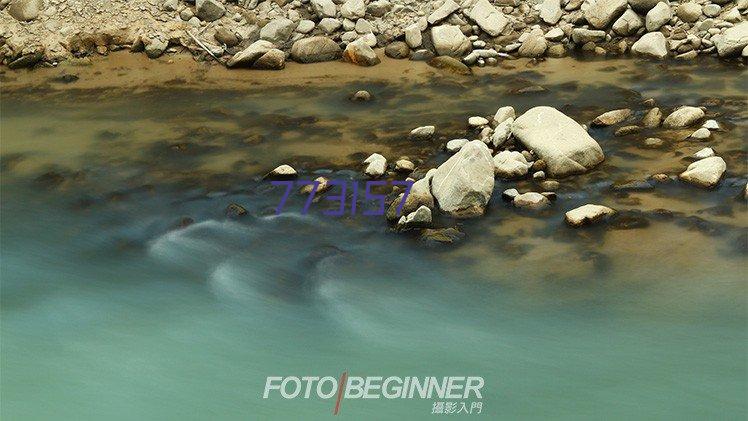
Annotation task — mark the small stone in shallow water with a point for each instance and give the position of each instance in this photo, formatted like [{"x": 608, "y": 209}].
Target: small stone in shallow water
[
  {"x": 509, "y": 194},
  {"x": 701, "y": 134},
  {"x": 653, "y": 142},
  {"x": 705, "y": 172},
  {"x": 612, "y": 117},
  {"x": 531, "y": 200},
  {"x": 510, "y": 164},
  {"x": 587, "y": 215},
  {"x": 627, "y": 130},
  {"x": 503, "y": 114},
  {"x": 404, "y": 165},
  {"x": 683, "y": 117},
  {"x": 376, "y": 165},
  {"x": 282, "y": 172},
  {"x": 323, "y": 186},
  {"x": 549, "y": 185},
  {"x": 441, "y": 235},
  {"x": 454, "y": 145},
  {"x": 711, "y": 125},
  {"x": 422, "y": 133},
  {"x": 362, "y": 96},
  {"x": 704, "y": 153},
  {"x": 653, "y": 118},
  {"x": 477, "y": 121}
]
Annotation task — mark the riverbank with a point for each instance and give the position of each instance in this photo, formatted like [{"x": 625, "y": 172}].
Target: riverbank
[{"x": 264, "y": 35}]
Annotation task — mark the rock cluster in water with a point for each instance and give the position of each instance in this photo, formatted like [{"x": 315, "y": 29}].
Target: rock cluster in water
[{"x": 264, "y": 34}]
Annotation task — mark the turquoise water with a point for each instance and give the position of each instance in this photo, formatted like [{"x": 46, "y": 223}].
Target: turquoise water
[{"x": 111, "y": 311}]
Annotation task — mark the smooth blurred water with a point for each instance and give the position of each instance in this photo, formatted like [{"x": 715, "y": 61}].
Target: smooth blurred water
[{"x": 111, "y": 311}]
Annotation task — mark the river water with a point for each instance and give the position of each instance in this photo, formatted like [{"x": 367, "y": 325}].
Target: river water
[{"x": 114, "y": 307}]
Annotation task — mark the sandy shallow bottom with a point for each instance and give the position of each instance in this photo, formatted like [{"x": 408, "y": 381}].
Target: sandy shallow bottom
[{"x": 110, "y": 311}]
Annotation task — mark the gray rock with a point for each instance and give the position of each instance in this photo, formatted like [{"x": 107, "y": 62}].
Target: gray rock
[
  {"x": 249, "y": 55},
  {"x": 359, "y": 53},
  {"x": 502, "y": 132},
  {"x": 462, "y": 186},
  {"x": 531, "y": 200},
  {"x": 449, "y": 64},
  {"x": 450, "y": 41},
  {"x": 420, "y": 195},
  {"x": 701, "y": 134},
  {"x": 658, "y": 16},
  {"x": 732, "y": 41},
  {"x": 209, "y": 10},
  {"x": 628, "y": 24},
  {"x": 602, "y": 13},
  {"x": 587, "y": 215},
  {"x": 510, "y": 164},
  {"x": 533, "y": 46},
  {"x": 305, "y": 26},
  {"x": 443, "y": 11},
  {"x": 329, "y": 25},
  {"x": 397, "y": 50},
  {"x": 315, "y": 49},
  {"x": 282, "y": 172},
  {"x": 653, "y": 118},
  {"x": 455, "y": 145},
  {"x": 413, "y": 36},
  {"x": 683, "y": 117},
  {"x": 488, "y": 18},
  {"x": 277, "y": 30},
  {"x": 558, "y": 140},
  {"x": 376, "y": 165},
  {"x": 25, "y": 10},
  {"x": 156, "y": 47},
  {"x": 353, "y": 9},
  {"x": 420, "y": 218},
  {"x": 643, "y": 6},
  {"x": 422, "y": 133},
  {"x": 612, "y": 117},
  {"x": 652, "y": 44},
  {"x": 550, "y": 11},
  {"x": 503, "y": 114},
  {"x": 274, "y": 59},
  {"x": 583, "y": 36},
  {"x": 324, "y": 8},
  {"x": 226, "y": 37},
  {"x": 688, "y": 12},
  {"x": 704, "y": 153},
  {"x": 705, "y": 172}
]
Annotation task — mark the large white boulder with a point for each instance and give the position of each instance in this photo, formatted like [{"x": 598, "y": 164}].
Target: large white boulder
[
  {"x": 450, "y": 41},
  {"x": 705, "y": 172},
  {"x": 558, "y": 140},
  {"x": 464, "y": 183}
]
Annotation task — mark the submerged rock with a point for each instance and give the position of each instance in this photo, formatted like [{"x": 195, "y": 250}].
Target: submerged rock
[
  {"x": 705, "y": 172},
  {"x": 558, "y": 140},
  {"x": 464, "y": 183},
  {"x": 450, "y": 64},
  {"x": 442, "y": 235},
  {"x": 235, "y": 210},
  {"x": 587, "y": 214}
]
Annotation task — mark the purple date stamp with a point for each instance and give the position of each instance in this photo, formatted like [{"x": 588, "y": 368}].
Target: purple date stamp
[{"x": 340, "y": 197}]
